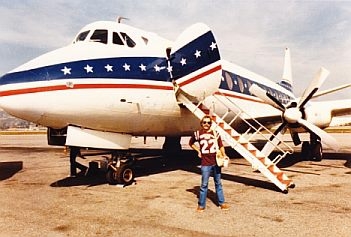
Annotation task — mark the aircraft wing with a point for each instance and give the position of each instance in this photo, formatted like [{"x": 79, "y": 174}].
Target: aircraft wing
[
  {"x": 336, "y": 107},
  {"x": 325, "y": 92}
]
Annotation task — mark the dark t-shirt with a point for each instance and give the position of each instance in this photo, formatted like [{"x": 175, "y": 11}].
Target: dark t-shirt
[{"x": 207, "y": 144}]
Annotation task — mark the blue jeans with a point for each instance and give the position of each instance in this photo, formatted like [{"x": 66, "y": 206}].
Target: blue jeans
[{"x": 205, "y": 175}]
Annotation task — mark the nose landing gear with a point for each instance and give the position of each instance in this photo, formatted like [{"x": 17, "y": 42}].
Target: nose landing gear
[{"x": 120, "y": 169}]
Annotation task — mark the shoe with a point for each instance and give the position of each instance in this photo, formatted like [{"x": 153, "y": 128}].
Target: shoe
[
  {"x": 224, "y": 207},
  {"x": 200, "y": 209}
]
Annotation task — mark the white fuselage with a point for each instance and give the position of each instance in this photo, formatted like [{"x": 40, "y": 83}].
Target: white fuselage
[{"x": 47, "y": 92}]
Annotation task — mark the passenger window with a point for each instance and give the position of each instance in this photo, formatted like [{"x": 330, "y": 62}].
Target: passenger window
[
  {"x": 229, "y": 80},
  {"x": 241, "y": 85},
  {"x": 116, "y": 39},
  {"x": 99, "y": 36},
  {"x": 128, "y": 40},
  {"x": 249, "y": 84},
  {"x": 82, "y": 36}
]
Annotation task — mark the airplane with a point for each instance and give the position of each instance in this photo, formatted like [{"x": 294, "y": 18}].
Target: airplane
[{"x": 115, "y": 81}]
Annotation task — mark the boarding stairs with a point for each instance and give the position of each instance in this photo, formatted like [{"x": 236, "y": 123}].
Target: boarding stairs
[{"x": 241, "y": 142}]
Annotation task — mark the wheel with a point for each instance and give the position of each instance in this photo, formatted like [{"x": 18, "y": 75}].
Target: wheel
[
  {"x": 124, "y": 175},
  {"x": 317, "y": 151},
  {"x": 111, "y": 177},
  {"x": 305, "y": 151}
]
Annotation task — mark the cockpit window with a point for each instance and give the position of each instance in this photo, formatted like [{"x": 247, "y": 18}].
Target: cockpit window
[
  {"x": 99, "y": 36},
  {"x": 116, "y": 39},
  {"x": 128, "y": 40},
  {"x": 82, "y": 36}
]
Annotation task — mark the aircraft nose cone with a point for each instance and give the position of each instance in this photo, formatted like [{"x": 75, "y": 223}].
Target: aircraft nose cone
[{"x": 291, "y": 115}]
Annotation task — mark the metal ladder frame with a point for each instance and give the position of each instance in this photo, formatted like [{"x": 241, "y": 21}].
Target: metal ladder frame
[{"x": 241, "y": 144}]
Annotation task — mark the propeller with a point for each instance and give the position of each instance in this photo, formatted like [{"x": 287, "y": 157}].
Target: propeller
[{"x": 293, "y": 114}]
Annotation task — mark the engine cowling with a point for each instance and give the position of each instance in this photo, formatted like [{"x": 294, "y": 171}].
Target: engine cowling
[{"x": 318, "y": 116}]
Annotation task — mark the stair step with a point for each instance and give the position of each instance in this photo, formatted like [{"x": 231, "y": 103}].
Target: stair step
[
  {"x": 236, "y": 137},
  {"x": 287, "y": 182}
]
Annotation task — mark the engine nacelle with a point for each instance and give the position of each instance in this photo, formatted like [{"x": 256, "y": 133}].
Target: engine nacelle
[{"x": 318, "y": 116}]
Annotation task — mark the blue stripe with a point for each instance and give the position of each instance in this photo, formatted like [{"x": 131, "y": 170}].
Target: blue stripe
[
  {"x": 241, "y": 85},
  {"x": 54, "y": 72}
]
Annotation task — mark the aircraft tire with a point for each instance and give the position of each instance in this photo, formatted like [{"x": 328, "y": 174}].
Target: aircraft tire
[
  {"x": 124, "y": 175},
  {"x": 110, "y": 177},
  {"x": 317, "y": 151}
]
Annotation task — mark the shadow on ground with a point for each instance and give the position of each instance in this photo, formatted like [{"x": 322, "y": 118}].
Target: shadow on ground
[
  {"x": 9, "y": 169},
  {"x": 151, "y": 161}
]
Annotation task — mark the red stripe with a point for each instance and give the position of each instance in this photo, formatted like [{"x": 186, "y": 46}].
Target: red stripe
[
  {"x": 105, "y": 86},
  {"x": 83, "y": 86},
  {"x": 219, "y": 67}
]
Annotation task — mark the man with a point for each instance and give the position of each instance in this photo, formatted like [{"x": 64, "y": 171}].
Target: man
[{"x": 209, "y": 146}]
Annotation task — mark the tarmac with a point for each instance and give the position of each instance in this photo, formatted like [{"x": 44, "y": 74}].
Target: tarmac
[{"x": 38, "y": 199}]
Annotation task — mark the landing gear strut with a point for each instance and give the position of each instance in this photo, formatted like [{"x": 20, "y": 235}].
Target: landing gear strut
[
  {"x": 171, "y": 146},
  {"x": 120, "y": 169},
  {"x": 312, "y": 150}
]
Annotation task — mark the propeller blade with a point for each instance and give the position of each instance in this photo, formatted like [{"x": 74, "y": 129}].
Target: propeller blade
[
  {"x": 266, "y": 97},
  {"x": 276, "y": 101},
  {"x": 326, "y": 138},
  {"x": 295, "y": 137},
  {"x": 281, "y": 129},
  {"x": 274, "y": 140},
  {"x": 313, "y": 87}
]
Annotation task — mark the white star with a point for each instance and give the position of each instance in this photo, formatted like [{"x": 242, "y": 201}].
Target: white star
[
  {"x": 213, "y": 46},
  {"x": 126, "y": 67},
  {"x": 66, "y": 70},
  {"x": 88, "y": 68},
  {"x": 109, "y": 68},
  {"x": 183, "y": 61},
  {"x": 197, "y": 53},
  {"x": 158, "y": 69},
  {"x": 169, "y": 68},
  {"x": 142, "y": 67}
]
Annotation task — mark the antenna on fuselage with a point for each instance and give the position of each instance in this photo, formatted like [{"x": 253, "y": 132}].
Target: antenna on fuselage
[{"x": 120, "y": 18}]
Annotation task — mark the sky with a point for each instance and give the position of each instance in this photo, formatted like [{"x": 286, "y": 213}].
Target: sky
[{"x": 250, "y": 33}]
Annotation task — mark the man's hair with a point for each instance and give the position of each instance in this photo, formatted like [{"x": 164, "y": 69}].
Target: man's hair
[{"x": 206, "y": 117}]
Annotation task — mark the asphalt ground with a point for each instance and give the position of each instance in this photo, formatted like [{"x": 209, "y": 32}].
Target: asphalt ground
[{"x": 38, "y": 199}]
